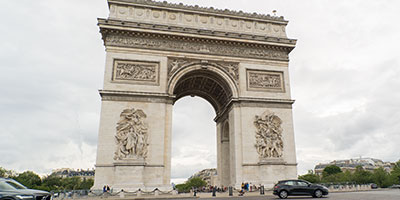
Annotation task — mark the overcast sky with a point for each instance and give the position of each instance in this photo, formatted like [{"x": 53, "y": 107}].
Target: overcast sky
[{"x": 344, "y": 77}]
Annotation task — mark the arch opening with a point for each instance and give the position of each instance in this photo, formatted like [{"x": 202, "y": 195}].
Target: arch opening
[
  {"x": 194, "y": 141},
  {"x": 217, "y": 89},
  {"x": 206, "y": 84}
]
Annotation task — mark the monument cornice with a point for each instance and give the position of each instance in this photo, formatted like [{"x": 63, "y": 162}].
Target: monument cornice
[
  {"x": 254, "y": 102},
  {"x": 143, "y": 39},
  {"x": 193, "y": 32},
  {"x": 200, "y": 10},
  {"x": 116, "y": 95}
]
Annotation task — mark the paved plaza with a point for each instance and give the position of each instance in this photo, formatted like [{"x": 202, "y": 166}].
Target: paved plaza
[{"x": 365, "y": 195}]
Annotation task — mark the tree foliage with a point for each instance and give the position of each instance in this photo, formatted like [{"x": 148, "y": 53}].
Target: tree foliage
[
  {"x": 381, "y": 177},
  {"x": 333, "y": 174},
  {"x": 4, "y": 173},
  {"x": 29, "y": 179},
  {"x": 49, "y": 183},
  {"x": 331, "y": 170},
  {"x": 311, "y": 177},
  {"x": 195, "y": 182},
  {"x": 361, "y": 176},
  {"x": 395, "y": 174}
]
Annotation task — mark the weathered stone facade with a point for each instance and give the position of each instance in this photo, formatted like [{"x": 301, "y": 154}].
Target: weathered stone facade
[{"x": 158, "y": 53}]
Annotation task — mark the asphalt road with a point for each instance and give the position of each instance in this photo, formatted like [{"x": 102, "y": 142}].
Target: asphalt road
[{"x": 392, "y": 194}]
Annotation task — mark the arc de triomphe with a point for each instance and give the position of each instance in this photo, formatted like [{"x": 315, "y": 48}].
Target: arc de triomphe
[{"x": 156, "y": 53}]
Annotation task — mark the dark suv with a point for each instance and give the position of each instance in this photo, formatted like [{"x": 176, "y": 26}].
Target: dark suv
[
  {"x": 287, "y": 188},
  {"x": 12, "y": 190}
]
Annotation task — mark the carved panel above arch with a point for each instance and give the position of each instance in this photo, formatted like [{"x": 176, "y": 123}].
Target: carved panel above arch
[
  {"x": 138, "y": 72},
  {"x": 127, "y": 39},
  {"x": 230, "y": 68},
  {"x": 262, "y": 80}
]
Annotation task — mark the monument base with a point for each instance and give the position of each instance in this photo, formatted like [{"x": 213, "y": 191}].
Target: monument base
[
  {"x": 128, "y": 177},
  {"x": 268, "y": 173},
  {"x": 131, "y": 175}
]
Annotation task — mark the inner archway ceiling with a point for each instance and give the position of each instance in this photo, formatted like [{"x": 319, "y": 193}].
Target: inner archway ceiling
[{"x": 205, "y": 84}]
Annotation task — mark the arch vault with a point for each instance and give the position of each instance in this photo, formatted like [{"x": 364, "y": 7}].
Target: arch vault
[{"x": 159, "y": 52}]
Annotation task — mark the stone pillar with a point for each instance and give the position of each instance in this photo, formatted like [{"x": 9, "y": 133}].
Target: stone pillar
[
  {"x": 236, "y": 150},
  {"x": 223, "y": 153}
]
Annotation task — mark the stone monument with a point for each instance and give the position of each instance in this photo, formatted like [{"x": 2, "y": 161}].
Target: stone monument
[{"x": 157, "y": 53}]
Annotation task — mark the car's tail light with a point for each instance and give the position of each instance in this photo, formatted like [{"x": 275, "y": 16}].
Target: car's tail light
[{"x": 276, "y": 187}]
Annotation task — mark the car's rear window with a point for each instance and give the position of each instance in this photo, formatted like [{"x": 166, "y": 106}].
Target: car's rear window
[
  {"x": 290, "y": 183},
  {"x": 5, "y": 186},
  {"x": 15, "y": 185}
]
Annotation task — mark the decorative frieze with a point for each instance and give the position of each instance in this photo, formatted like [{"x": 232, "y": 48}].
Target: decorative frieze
[
  {"x": 195, "y": 30},
  {"x": 265, "y": 80},
  {"x": 269, "y": 143},
  {"x": 131, "y": 136},
  {"x": 196, "y": 45},
  {"x": 145, "y": 11},
  {"x": 230, "y": 68},
  {"x": 136, "y": 72},
  {"x": 197, "y": 8}
]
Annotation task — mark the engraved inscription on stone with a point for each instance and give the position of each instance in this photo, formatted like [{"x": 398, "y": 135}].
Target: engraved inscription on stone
[
  {"x": 265, "y": 80},
  {"x": 131, "y": 136},
  {"x": 269, "y": 142},
  {"x": 136, "y": 71}
]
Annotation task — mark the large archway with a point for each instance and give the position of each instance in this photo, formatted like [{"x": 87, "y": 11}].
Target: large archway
[
  {"x": 158, "y": 53},
  {"x": 209, "y": 85},
  {"x": 194, "y": 146}
]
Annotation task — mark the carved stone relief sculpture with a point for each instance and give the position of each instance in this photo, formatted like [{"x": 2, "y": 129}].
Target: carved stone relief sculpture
[
  {"x": 232, "y": 69},
  {"x": 265, "y": 80},
  {"x": 275, "y": 26},
  {"x": 131, "y": 136},
  {"x": 269, "y": 142},
  {"x": 136, "y": 71},
  {"x": 202, "y": 46}
]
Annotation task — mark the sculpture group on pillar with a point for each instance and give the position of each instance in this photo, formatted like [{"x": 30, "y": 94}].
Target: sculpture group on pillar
[
  {"x": 131, "y": 136},
  {"x": 269, "y": 142}
]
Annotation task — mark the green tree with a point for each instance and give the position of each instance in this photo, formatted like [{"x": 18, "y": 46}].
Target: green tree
[
  {"x": 183, "y": 187},
  {"x": 381, "y": 177},
  {"x": 29, "y": 179},
  {"x": 195, "y": 182},
  {"x": 361, "y": 176},
  {"x": 310, "y": 177},
  {"x": 333, "y": 178},
  {"x": 52, "y": 183},
  {"x": 395, "y": 173},
  {"x": 346, "y": 177},
  {"x": 71, "y": 183},
  {"x": 86, "y": 184},
  {"x": 330, "y": 170},
  {"x": 332, "y": 174},
  {"x": 4, "y": 173}
]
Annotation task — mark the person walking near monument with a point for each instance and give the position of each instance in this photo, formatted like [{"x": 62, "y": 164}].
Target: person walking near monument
[{"x": 241, "y": 192}]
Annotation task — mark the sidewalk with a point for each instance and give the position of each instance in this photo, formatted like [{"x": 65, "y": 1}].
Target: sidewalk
[
  {"x": 170, "y": 196},
  {"x": 235, "y": 194}
]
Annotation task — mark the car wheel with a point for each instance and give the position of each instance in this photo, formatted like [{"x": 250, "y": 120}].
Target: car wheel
[
  {"x": 283, "y": 194},
  {"x": 318, "y": 193}
]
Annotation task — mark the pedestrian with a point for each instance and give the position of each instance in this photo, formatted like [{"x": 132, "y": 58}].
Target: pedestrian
[
  {"x": 241, "y": 192},
  {"x": 104, "y": 189}
]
